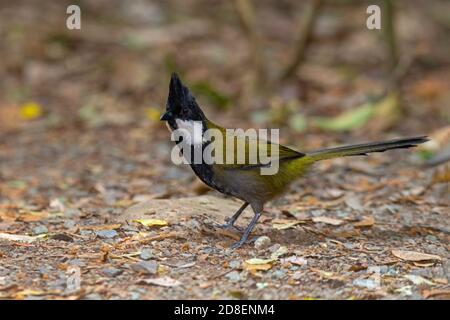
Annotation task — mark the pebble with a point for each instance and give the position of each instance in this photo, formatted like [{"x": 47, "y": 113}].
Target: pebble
[
  {"x": 147, "y": 254},
  {"x": 233, "y": 276},
  {"x": 111, "y": 272},
  {"x": 366, "y": 283},
  {"x": 279, "y": 274},
  {"x": 262, "y": 242},
  {"x": 39, "y": 230},
  {"x": 93, "y": 296},
  {"x": 71, "y": 213},
  {"x": 69, "y": 224},
  {"x": 77, "y": 262},
  {"x": 85, "y": 232},
  {"x": 147, "y": 267},
  {"x": 262, "y": 285},
  {"x": 275, "y": 247},
  {"x": 234, "y": 264},
  {"x": 106, "y": 234}
]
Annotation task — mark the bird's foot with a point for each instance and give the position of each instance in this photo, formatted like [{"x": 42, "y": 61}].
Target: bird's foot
[
  {"x": 238, "y": 244},
  {"x": 229, "y": 226}
]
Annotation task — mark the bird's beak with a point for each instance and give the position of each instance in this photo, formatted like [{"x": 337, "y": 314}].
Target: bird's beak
[{"x": 166, "y": 116}]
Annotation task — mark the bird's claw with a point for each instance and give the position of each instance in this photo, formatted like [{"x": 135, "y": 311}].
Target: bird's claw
[
  {"x": 237, "y": 244},
  {"x": 229, "y": 226}
]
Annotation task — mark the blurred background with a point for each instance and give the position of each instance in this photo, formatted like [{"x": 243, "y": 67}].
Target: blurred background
[{"x": 82, "y": 106}]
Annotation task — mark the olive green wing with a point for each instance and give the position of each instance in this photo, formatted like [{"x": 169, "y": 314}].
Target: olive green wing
[{"x": 245, "y": 150}]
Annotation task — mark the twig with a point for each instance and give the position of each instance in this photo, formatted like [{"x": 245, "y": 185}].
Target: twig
[{"x": 303, "y": 39}]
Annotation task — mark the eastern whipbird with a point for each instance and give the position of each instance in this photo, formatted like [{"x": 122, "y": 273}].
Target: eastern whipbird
[{"x": 245, "y": 181}]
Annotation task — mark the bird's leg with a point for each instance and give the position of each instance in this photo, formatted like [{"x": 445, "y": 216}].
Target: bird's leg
[
  {"x": 230, "y": 222},
  {"x": 247, "y": 231}
]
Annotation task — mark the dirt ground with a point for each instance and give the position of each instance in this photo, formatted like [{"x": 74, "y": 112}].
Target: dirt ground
[{"x": 91, "y": 206}]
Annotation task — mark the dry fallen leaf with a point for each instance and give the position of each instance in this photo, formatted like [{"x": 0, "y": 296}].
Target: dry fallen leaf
[
  {"x": 21, "y": 238},
  {"x": 332, "y": 221},
  {"x": 414, "y": 256},
  {"x": 162, "y": 282},
  {"x": 436, "y": 292},
  {"x": 257, "y": 267},
  {"x": 365, "y": 223},
  {"x": 281, "y": 251},
  {"x": 299, "y": 261},
  {"x": 418, "y": 280},
  {"x": 282, "y": 224},
  {"x": 257, "y": 264},
  {"x": 255, "y": 261},
  {"x": 101, "y": 227},
  {"x": 31, "y": 292},
  {"x": 425, "y": 264},
  {"x": 152, "y": 222},
  {"x": 33, "y": 216}
]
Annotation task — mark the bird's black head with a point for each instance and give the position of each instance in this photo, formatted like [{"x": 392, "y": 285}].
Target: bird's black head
[{"x": 181, "y": 104}]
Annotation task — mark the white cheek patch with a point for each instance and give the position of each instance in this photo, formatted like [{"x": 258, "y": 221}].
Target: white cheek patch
[{"x": 194, "y": 129}]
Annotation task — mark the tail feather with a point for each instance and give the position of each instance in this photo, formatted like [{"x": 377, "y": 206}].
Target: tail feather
[{"x": 365, "y": 148}]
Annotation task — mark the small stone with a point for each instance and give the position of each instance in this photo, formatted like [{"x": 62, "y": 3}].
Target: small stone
[
  {"x": 366, "y": 283},
  {"x": 93, "y": 296},
  {"x": 193, "y": 225},
  {"x": 77, "y": 263},
  {"x": 279, "y": 274},
  {"x": 147, "y": 267},
  {"x": 85, "y": 232},
  {"x": 111, "y": 272},
  {"x": 72, "y": 213},
  {"x": 147, "y": 254},
  {"x": 262, "y": 242},
  {"x": 106, "y": 234},
  {"x": 39, "y": 230},
  {"x": 262, "y": 285},
  {"x": 61, "y": 237},
  {"x": 69, "y": 224},
  {"x": 274, "y": 247},
  {"x": 233, "y": 276},
  {"x": 234, "y": 264}
]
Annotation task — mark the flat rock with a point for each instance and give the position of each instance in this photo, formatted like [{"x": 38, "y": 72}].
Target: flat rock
[
  {"x": 111, "y": 272},
  {"x": 175, "y": 210},
  {"x": 106, "y": 234},
  {"x": 146, "y": 267}
]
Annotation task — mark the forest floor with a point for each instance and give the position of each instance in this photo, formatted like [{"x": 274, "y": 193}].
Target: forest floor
[
  {"x": 91, "y": 206},
  {"x": 354, "y": 229}
]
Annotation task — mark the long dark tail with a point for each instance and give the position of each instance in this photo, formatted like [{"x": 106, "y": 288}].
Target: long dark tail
[{"x": 365, "y": 148}]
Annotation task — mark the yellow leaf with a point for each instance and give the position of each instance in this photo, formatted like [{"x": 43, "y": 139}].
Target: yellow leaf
[
  {"x": 347, "y": 120},
  {"x": 387, "y": 112},
  {"x": 257, "y": 267},
  {"x": 30, "y": 111},
  {"x": 152, "y": 114},
  {"x": 31, "y": 292},
  {"x": 152, "y": 222},
  {"x": 255, "y": 261}
]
